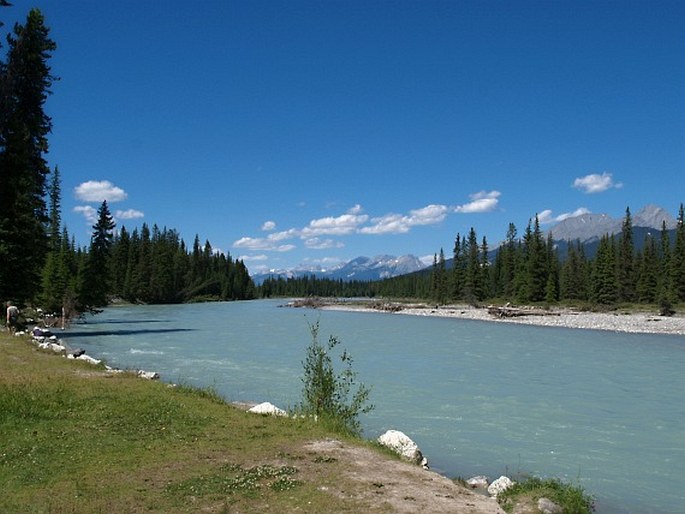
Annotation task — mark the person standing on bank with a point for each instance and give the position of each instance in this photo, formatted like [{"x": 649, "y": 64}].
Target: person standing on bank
[{"x": 12, "y": 317}]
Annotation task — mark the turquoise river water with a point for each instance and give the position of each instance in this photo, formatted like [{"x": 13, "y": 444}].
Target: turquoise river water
[{"x": 601, "y": 409}]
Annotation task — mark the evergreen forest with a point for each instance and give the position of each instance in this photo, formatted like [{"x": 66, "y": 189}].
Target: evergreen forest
[
  {"x": 530, "y": 269},
  {"x": 40, "y": 262}
]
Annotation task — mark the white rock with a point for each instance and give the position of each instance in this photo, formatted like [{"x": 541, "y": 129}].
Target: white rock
[
  {"x": 479, "y": 482},
  {"x": 500, "y": 485},
  {"x": 57, "y": 348},
  {"x": 88, "y": 359},
  {"x": 149, "y": 375},
  {"x": 267, "y": 408},
  {"x": 400, "y": 443},
  {"x": 547, "y": 506}
]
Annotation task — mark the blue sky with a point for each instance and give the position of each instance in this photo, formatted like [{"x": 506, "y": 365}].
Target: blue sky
[{"x": 293, "y": 132}]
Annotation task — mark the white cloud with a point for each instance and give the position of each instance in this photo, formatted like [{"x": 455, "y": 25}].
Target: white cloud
[
  {"x": 429, "y": 215},
  {"x": 315, "y": 243},
  {"x": 253, "y": 258},
  {"x": 483, "y": 201},
  {"x": 596, "y": 183},
  {"x": 388, "y": 224},
  {"x": 97, "y": 191},
  {"x": 401, "y": 224},
  {"x": 269, "y": 226},
  {"x": 545, "y": 217},
  {"x": 334, "y": 226},
  {"x": 262, "y": 243},
  {"x": 283, "y": 235},
  {"x": 88, "y": 212},
  {"x": 129, "y": 214}
]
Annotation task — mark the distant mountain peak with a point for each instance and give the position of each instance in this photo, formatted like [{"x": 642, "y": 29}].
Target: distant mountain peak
[
  {"x": 589, "y": 227},
  {"x": 360, "y": 268}
]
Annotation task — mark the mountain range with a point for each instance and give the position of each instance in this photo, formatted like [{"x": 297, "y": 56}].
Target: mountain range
[
  {"x": 360, "y": 268},
  {"x": 591, "y": 227}
]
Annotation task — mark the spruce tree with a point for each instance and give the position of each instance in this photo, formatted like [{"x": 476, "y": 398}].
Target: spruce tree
[
  {"x": 95, "y": 285},
  {"x": 54, "y": 280},
  {"x": 472, "y": 279},
  {"x": 604, "y": 276},
  {"x": 648, "y": 279},
  {"x": 625, "y": 275},
  {"x": 458, "y": 268},
  {"x": 25, "y": 82},
  {"x": 678, "y": 258},
  {"x": 535, "y": 263}
]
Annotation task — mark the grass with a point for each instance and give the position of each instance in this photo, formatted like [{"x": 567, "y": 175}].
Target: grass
[
  {"x": 76, "y": 439},
  {"x": 571, "y": 498}
]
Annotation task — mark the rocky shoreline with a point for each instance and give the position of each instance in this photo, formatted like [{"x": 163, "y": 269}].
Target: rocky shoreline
[{"x": 616, "y": 321}]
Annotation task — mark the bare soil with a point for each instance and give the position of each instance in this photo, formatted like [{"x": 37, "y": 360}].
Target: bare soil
[{"x": 385, "y": 484}]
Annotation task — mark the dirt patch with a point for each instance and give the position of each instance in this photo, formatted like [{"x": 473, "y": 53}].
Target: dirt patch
[{"x": 385, "y": 484}]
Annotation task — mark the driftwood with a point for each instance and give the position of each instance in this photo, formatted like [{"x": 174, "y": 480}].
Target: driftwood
[{"x": 509, "y": 311}]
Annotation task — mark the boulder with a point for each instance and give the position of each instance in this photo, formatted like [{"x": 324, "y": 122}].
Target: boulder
[
  {"x": 479, "y": 482},
  {"x": 268, "y": 409},
  {"x": 500, "y": 485},
  {"x": 400, "y": 443},
  {"x": 547, "y": 506},
  {"x": 149, "y": 375},
  {"x": 88, "y": 359},
  {"x": 55, "y": 347}
]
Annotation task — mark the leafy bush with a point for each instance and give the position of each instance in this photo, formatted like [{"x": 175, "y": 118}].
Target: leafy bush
[{"x": 334, "y": 398}]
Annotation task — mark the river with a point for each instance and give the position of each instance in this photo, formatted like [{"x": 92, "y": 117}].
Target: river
[{"x": 600, "y": 409}]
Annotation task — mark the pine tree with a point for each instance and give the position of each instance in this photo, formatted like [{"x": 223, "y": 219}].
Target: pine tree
[
  {"x": 54, "y": 280},
  {"x": 678, "y": 258},
  {"x": 625, "y": 274},
  {"x": 647, "y": 284},
  {"x": 458, "y": 268},
  {"x": 535, "y": 260},
  {"x": 25, "y": 82},
  {"x": 95, "y": 286},
  {"x": 604, "y": 276},
  {"x": 552, "y": 285},
  {"x": 507, "y": 266},
  {"x": 441, "y": 279},
  {"x": 472, "y": 277}
]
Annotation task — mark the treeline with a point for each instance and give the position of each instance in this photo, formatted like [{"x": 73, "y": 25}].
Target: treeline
[
  {"x": 530, "y": 269},
  {"x": 40, "y": 263}
]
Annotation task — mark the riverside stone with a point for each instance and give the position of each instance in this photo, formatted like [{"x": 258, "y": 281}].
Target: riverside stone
[
  {"x": 402, "y": 444},
  {"x": 149, "y": 375},
  {"x": 268, "y": 409},
  {"x": 479, "y": 482},
  {"x": 88, "y": 359},
  {"x": 499, "y": 486},
  {"x": 547, "y": 506}
]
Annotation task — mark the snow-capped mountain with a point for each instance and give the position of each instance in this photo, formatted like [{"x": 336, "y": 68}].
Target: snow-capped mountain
[
  {"x": 361, "y": 268},
  {"x": 590, "y": 227}
]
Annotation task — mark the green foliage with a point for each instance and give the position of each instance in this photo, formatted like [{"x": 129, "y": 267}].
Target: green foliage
[
  {"x": 571, "y": 498},
  {"x": 334, "y": 398},
  {"x": 25, "y": 82}
]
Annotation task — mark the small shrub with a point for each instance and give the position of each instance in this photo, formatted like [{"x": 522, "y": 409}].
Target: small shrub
[
  {"x": 334, "y": 398},
  {"x": 571, "y": 498}
]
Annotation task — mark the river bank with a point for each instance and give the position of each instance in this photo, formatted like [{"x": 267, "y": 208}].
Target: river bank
[{"x": 618, "y": 321}]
